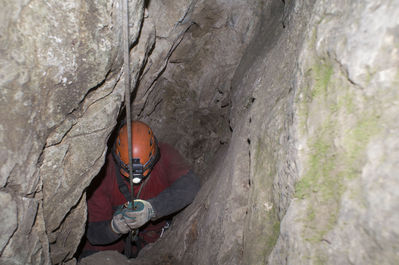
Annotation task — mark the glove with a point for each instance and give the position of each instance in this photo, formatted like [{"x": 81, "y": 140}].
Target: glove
[
  {"x": 118, "y": 223},
  {"x": 140, "y": 214}
]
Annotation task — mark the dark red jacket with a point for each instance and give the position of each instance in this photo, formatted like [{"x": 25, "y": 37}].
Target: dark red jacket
[{"x": 170, "y": 169}]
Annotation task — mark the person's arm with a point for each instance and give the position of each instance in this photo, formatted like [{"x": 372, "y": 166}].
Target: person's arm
[
  {"x": 181, "y": 191},
  {"x": 177, "y": 196},
  {"x": 100, "y": 212},
  {"x": 101, "y": 233}
]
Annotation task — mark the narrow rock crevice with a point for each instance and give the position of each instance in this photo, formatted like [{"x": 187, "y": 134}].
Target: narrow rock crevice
[{"x": 286, "y": 110}]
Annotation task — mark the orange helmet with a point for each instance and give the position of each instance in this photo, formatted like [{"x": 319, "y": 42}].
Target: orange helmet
[{"x": 144, "y": 150}]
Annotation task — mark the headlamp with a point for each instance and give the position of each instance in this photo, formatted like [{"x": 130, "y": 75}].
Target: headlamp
[{"x": 137, "y": 171}]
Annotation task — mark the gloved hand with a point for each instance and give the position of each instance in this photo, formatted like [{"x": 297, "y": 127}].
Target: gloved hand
[
  {"x": 139, "y": 215},
  {"x": 118, "y": 223}
]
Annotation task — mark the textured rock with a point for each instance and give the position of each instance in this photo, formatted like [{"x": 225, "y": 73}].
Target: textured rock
[
  {"x": 106, "y": 258},
  {"x": 264, "y": 95},
  {"x": 288, "y": 110},
  {"x": 87, "y": 139},
  {"x": 305, "y": 107},
  {"x": 8, "y": 218},
  {"x": 345, "y": 211},
  {"x": 189, "y": 104},
  {"x": 60, "y": 96},
  {"x": 210, "y": 231}
]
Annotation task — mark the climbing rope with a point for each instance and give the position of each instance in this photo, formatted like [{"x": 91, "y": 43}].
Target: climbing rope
[{"x": 126, "y": 61}]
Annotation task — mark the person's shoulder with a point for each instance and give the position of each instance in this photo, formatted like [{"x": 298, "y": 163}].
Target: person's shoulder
[
  {"x": 109, "y": 168},
  {"x": 164, "y": 145},
  {"x": 166, "y": 148},
  {"x": 169, "y": 152}
]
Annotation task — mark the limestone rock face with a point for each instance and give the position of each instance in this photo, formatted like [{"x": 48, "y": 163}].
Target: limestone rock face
[
  {"x": 189, "y": 104},
  {"x": 346, "y": 203},
  {"x": 60, "y": 96},
  {"x": 287, "y": 110},
  {"x": 308, "y": 175}
]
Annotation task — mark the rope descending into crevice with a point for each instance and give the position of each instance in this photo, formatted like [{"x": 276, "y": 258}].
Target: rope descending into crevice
[{"x": 126, "y": 61}]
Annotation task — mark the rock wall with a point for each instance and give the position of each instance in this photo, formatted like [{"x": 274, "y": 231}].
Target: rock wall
[
  {"x": 288, "y": 111},
  {"x": 60, "y": 96},
  {"x": 309, "y": 171},
  {"x": 345, "y": 209},
  {"x": 267, "y": 92},
  {"x": 189, "y": 103}
]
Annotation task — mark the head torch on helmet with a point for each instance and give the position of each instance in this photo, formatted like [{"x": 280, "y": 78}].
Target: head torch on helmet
[{"x": 145, "y": 151}]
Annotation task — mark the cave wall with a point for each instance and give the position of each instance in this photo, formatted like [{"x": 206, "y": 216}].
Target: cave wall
[
  {"x": 345, "y": 207},
  {"x": 287, "y": 110},
  {"x": 309, "y": 174},
  {"x": 188, "y": 105},
  {"x": 267, "y": 92},
  {"x": 60, "y": 96},
  {"x": 323, "y": 136}
]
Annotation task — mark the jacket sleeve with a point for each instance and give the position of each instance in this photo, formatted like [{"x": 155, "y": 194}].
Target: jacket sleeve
[
  {"x": 100, "y": 212},
  {"x": 177, "y": 196},
  {"x": 100, "y": 233}
]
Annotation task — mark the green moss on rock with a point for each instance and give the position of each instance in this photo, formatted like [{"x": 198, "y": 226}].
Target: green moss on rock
[
  {"x": 336, "y": 144},
  {"x": 356, "y": 141},
  {"x": 322, "y": 77}
]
